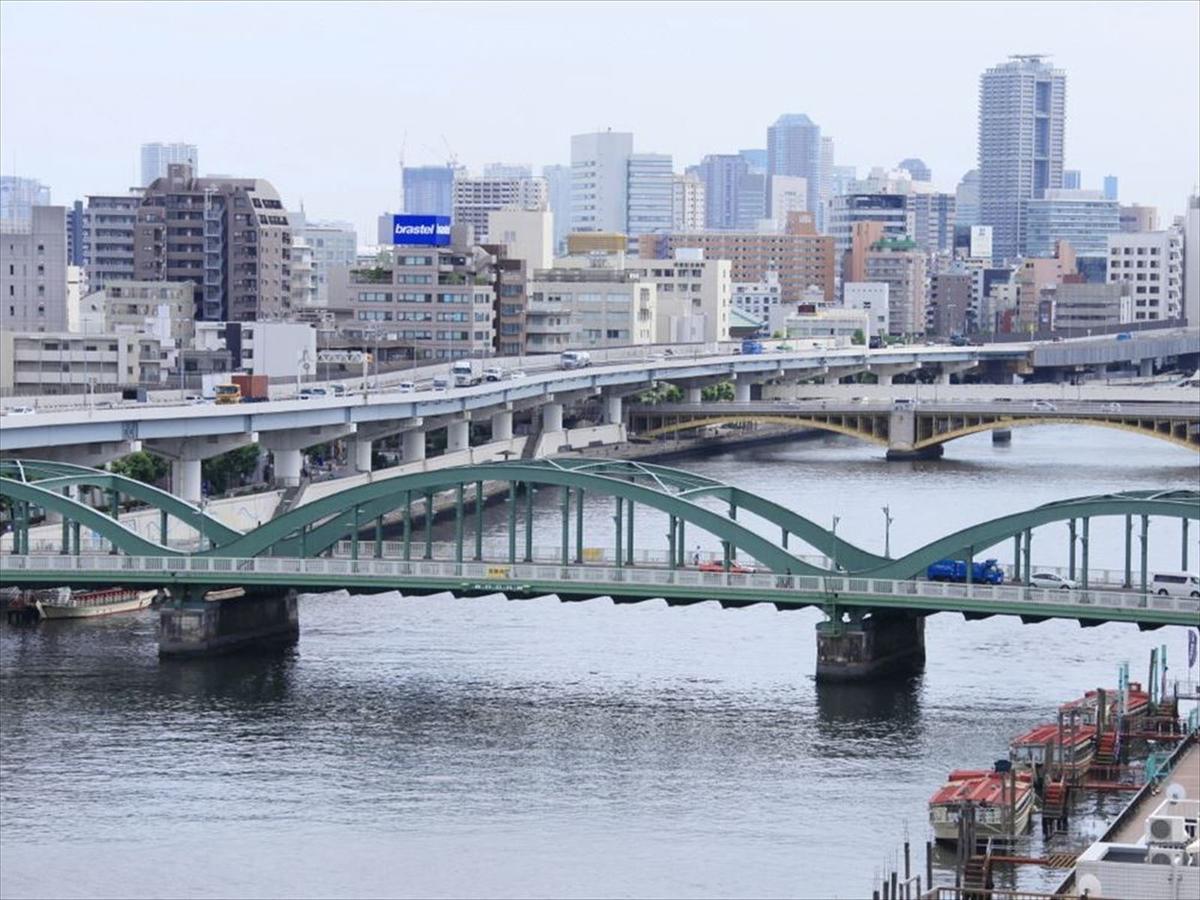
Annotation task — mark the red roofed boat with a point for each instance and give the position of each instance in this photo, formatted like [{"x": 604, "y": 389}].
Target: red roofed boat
[
  {"x": 1037, "y": 747},
  {"x": 1137, "y": 707},
  {"x": 988, "y": 793}
]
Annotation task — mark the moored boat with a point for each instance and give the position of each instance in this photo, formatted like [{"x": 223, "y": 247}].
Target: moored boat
[
  {"x": 998, "y": 798},
  {"x": 1038, "y": 747},
  {"x": 1087, "y": 708},
  {"x": 70, "y": 604}
]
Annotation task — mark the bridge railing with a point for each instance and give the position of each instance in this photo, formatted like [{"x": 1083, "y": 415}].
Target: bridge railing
[{"x": 524, "y": 577}]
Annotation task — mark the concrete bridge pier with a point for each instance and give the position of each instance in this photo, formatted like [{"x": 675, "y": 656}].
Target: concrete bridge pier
[
  {"x": 361, "y": 454},
  {"x": 612, "y": 409},
  {"x": 693, "y": 395},
  {"x": 741, "y": 391},
  {"x": 902, "y": 435},
  {"x": 870, "y": 646},
  {"x": 287, "y": 448},
  {"x": 185, "y": 456},
  {"x": 502, "y": 425},
  {"x": 412, "y": 447},
  {"x": 885, "y": 373},
  {"x": 458, "y": 435},
  {"x": 195, "y": 626}
]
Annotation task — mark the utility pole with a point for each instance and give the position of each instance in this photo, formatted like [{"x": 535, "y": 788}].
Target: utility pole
[
  {"x": 836, "y": 519},
  {"x": 887, "y": 531}
]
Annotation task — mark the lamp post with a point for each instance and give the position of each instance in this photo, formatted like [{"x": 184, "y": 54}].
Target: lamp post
[
  {"x": 836, "y": 519},
  {"x": 887, "y": 531}
]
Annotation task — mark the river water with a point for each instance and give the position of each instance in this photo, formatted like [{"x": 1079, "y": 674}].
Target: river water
[{"x": 442, "y": 747}]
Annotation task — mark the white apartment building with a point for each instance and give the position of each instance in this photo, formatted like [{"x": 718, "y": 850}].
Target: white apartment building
[
  {"x": 695, "y": 296},
  {"x": 108, "y": 225},
  {"x": 1191, "y": 261},
  {"x": 589, "y": 306},
  {"x": 788, "y": 193},
  {"x": 687, "y": 205},
  {"x": 836, "y": 325},
  {"x": 872, "y": 298},
  {"x": 66, "y": 363},
  {"x": 758, "y": 298},
  {"x": 33, "y": 271},
  {"x": 1152, "y": 263},
  {"x": 329, "y": 244},
  {"x": 475, "y": 198},
  {"x": 528, "y": 234},
  {"x": 600, "y": 180}
]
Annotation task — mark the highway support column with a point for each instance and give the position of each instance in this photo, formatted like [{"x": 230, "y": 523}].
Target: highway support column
[
  {"x": 869, "y": 646},
  {"x": 193, "y": 625}
]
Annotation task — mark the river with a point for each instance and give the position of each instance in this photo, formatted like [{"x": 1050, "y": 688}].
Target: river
[{"x": 442, "y": 747}]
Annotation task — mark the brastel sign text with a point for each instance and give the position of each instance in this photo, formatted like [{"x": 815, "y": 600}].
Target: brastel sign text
[{"x": 431, "y": 230}]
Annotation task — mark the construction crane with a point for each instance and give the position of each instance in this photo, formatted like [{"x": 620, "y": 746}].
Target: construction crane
[{"x": 451, "y": 156}]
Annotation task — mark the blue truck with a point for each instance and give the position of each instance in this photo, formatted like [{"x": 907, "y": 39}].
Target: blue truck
[
  {"x": 751, "y": 347},
  {"x": 986, "y": 572}
]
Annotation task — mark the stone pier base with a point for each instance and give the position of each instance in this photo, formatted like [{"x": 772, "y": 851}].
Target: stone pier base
[
  {"x": 871, "y": 647},
  {"x": 198, "y": 627},
  {"x": 1002, "y": 436},
  {"x": 896, "y": 454}
]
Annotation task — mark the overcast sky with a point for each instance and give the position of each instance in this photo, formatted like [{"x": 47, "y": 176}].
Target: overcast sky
[{"x": 317, "y": 97}]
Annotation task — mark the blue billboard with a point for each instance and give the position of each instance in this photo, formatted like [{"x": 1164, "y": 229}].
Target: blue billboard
[{"x": 428, "y": 230}]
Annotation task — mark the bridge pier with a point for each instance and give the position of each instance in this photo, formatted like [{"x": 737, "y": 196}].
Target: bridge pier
[
  {"x": 413, "y": 445},
  {"x": 458, "y": 436},
  {"x": 361, "y": 455},
  {"x": 741, "y": 391},
  {"x": 870, "y": 647},
  {"x": 552, "y": 417},
  {"x": 194, "y": 626},
  {"x": 502, "y": 425}
]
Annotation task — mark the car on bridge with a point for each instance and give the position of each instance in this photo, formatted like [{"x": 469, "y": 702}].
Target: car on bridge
[
  {"x": 1050, "y": 581},
  {"x": 734, "y": 568}
]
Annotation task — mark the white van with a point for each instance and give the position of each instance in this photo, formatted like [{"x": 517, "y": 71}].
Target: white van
[
  {"x": 1176, "y": 584},
  {"x": 574, "y": 359}
]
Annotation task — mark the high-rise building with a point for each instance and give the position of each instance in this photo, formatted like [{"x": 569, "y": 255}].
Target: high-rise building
[
  {"x": 916, "y": 168},
  {"x": 934, "y": 218},
  {"x": 558, "y": 188},
  {"x": 1152, "y": 263},
  {"x": 33, "y": 277},
  {"x": 721, "y": 174},
  {"x": 1139, "y": 218},
  {"x": 1022, "y": 112},
  {"x": 507, "y": 170},
  {"x": 892, "y": 210},
  {"x": 1084, "y": 219},
  {"x": 1191, "y": 257},
  {"x": 794, "y": 148},
  {"x": 756, "y": 160},
  {"x": 429, "y": 190},
  {"x": 108, "y": 227},
  {"x": 75, "y": 240},
  {"x": 525, "y": 234},
  {"x": 475, "y": 198},
  {"x": 650, "y": 202},
  {"x": 18, "y": 197},
  {"x": 1110, "y": 187},
  {"x": 600, "y": 180},
  {"x": 687, "y": 203},
  {"x": 966, "y": 199},
  {"x": 901, "y": 264},
  {"x": 789, "y": 194},
  {"x": 751, "y": 201},
  {"x": 328, "y": 244},
  {"x": 949, "y": 308},
  {"x": 229, "y": 236},
  {"x": 1072, "y": 180},
  {"x": 157, "y": 157},
  {"x": 841, "y": 180}
]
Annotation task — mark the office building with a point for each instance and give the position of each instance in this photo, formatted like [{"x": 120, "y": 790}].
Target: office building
[
  {"x": 722, "y": 175},
  {"x": 800, "y": 257},
  {"x": 752, "y": 198},
  {"x": 33, "y": 271},
  {"x": 18, "y": 197},
  {"x": 507, "y": 170},
  {"x": 579, "y": 308},
  {"x": 933, "y": 219},
  {"x": 892, "y": 210},
  {"x": 872, "y": 298},
  {"x": 1079, "y": 305},
  {"x": 757, "y": 160},
  {"x": 966, "y": 199},
  {"x": 1084, "y": 219},
  {"x": 1110, "y": 187},
  {"x": 526, "y": 234},
  {"x": 108, "y": 227},
  {"x": 1152, "y": 264},
  {"x": 1191, "y": 261},
  {"x": 950, "y": 300},
  {"x": 901, "y": 264},
  {"x": 428, "y": 190},
  {"x": 788, "y": 194},
  {"x": 841, "y": 179},
  {"x": 600, "y": 180},
  {"x": 327, "y": 244},
  {"x": 757, "y": 299},
  {"x": 916, "y": 168},
  {"x": 694, "y": 296},
  {"x": 687, "y": 203},
  {"x": 1036, "y": 280},
  {"x": 794, "y": 147},
  {"x": 424, "y": 302},
  {"x": 475, "y": 198},
  {"x": 558, "y": 192},
  {"x": 63, "y": 362},
  {"x": 650, "y": 201},
  {"x": 510, "y": 291},
  {"x": 228, "y": 236},
  {"x": 1022, "y": 111},
  {"x": 1138, "y": 218},
  {"x": 1072, "y": 180},
  {"x": 156, "y": 158},
  {"x": 863, "y": 236},
  {"x": 75, "y": 240}
]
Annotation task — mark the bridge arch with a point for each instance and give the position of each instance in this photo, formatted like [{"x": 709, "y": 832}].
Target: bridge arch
[{"x": 1177, "y": 434}]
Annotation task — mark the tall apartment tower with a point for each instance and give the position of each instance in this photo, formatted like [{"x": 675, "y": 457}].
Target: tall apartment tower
[
  {"x": 228, "y": 236},
  {"x": 157, "y": 157},
  {"x": 794, "y": 147},
  {"x": 108, "y": 225},
  {"x": 1022, "y": 111},
  {"x": 600, "y": 180}
]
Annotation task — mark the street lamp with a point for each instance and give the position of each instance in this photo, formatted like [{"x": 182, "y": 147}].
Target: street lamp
[
  {"x": 836, "y": 519},
  {"x": 887, "y": 531}
]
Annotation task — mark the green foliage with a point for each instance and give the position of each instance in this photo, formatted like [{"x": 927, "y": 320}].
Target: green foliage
[
  {"x": 661, "y": 393},
  {"x": 859, "y": 337},
  {"x": 141, "y": 466},
  {"x": 722, "y": 391},
  {"x": 229, "y": 469},
  {"x": 778, "y": 334}
]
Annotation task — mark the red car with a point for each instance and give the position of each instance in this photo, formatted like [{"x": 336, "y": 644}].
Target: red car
[{"x": 734, "y": 568}]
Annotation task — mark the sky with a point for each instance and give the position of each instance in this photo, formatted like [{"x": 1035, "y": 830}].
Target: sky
[{"x": 319, "y": 98}]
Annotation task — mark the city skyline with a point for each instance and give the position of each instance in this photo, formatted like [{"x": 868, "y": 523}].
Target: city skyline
[{"x": 356, "y": 179}]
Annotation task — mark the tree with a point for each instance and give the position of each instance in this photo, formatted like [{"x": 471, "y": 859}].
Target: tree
[
  {"x": 227, "y": 470},
  {"x": 722, "y": 391},
  {"x": 859, "y": 337},
  {"x": 141, "y": 466}
]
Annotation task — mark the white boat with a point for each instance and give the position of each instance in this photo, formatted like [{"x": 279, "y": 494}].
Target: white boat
[{"x": 86, "y": 604}]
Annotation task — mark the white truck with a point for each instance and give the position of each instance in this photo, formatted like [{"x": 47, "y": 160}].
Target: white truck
[
  {"x": 466, "y": 372},
  {"x": 574, "y": 359}
]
